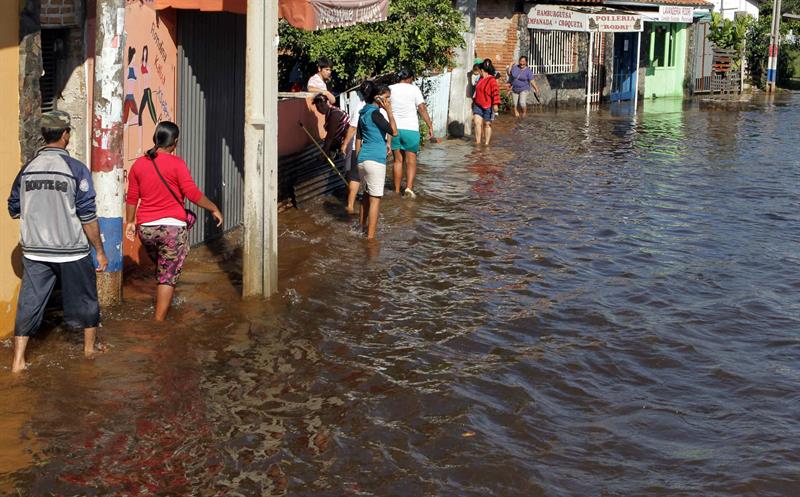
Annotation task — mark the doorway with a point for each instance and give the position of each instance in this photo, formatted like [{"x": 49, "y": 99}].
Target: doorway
[{"x": 623, "y": 84}]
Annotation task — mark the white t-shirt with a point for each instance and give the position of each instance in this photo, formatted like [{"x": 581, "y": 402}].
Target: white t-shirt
[
  {"x": 316, "y": 83},
  {"x": 165, "y": 221},
  {"x": 56, "y": 258},
  {"x": 405, "y": 100},
  {"x": 354, "y": 110}
]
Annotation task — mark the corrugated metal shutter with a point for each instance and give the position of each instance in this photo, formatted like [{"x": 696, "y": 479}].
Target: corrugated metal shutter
[{"x": 211, "y": 58}]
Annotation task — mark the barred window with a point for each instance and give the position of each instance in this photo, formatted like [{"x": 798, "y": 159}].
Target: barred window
[{"x": 554, "y": 52}]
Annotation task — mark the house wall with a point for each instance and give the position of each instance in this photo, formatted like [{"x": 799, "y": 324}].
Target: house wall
[
  {"x": 153, "y": 34},
  {"x": 496, "y": 32},
  {"x": 666, "y": 81},
  {"x": 728, "y": 8},
  {"x": 10, "y": 256}
]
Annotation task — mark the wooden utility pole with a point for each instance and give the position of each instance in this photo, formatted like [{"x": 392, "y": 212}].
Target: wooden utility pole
[
  {"x": 774, "y": 43},
  {"x": 107, "y": 145},
  {"x": 260, "y": 271}
]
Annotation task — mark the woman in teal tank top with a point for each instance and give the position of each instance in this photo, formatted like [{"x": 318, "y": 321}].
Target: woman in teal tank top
[{"x": 375, "y": 122}]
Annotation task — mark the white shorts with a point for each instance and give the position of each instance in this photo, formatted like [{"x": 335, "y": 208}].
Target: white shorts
[{"x": 373, "y": 177}]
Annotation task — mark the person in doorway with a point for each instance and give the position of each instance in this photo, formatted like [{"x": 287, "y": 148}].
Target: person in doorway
[
  {"x": 54, "y": 198},
  {"x": 373, "y": 128},
  {"x": 348, "y": 150},
  {"x": 158, "y": 184},
  {"x": 407, "y": 101},
  {"x": 521, "y": 78},
  {"x": 318, "y": 83},
  {"x": 485, "y": 104},
  {"x": 336, "y": 123}
]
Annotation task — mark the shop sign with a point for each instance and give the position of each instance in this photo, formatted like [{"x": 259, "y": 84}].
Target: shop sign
[
  {"x": 557, "y": 18},
  {"x": 615, "y": 23},
  {"x": 553, "y": 17},
  {"x": 675, "y": 13}
]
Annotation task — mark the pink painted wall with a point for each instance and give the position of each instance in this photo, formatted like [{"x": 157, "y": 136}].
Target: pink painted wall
[
  {"x": 151, "y": 42},
  {"x": 292, "y": 139}
]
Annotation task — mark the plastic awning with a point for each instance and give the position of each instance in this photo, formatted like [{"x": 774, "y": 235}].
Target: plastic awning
[
  {"x": 310, "y": 15},
  {"x": 323, "y": 14}
]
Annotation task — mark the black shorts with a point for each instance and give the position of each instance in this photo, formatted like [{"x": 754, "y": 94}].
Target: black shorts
[{"x": 78, "y": 294}]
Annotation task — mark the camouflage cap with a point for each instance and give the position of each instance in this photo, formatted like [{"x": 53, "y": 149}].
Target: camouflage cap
[{"x": 56, "y": 119}]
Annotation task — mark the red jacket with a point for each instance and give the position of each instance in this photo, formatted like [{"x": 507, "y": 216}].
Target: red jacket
[
  {"x": 156, "y": 201},
  {"x": 487, "y": 93}
]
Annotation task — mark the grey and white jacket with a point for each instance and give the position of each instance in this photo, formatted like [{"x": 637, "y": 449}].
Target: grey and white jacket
[{"x": 53, "y": 196}]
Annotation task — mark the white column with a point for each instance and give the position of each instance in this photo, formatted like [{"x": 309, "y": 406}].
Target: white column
[
  {"x": 260, "y": 271},
  {"x": 459, "y": 115},
  {"x": 590, "y": 68}
]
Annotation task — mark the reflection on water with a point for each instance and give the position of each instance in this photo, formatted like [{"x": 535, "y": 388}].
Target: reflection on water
[{"x": 600, "y": 304}]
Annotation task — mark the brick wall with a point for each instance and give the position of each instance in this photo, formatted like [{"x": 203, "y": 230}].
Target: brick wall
[
  {"x": 496, "y": 32},
  {"x": 60, "y": 13}
]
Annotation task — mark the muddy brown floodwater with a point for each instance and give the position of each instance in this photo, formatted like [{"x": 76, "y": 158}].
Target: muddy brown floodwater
[{"x": 602, "y": 305}]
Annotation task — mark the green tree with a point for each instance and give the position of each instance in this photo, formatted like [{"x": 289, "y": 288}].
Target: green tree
[
  {"x": 418, "y": 34},
  {"x": 757, "y": 46}
]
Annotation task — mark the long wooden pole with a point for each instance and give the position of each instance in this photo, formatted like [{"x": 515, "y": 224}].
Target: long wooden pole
[{"x": 260, "y": 265}]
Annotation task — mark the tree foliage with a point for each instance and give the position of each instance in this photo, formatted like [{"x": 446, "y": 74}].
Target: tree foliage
[
  {"x": 727, "y": 34},
  {"x": 418, "y": 34},
  {"x": 757, "y": 45}
]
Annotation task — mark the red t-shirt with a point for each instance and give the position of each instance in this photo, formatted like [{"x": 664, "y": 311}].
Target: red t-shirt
[
  {"x": 147, "y": 190},
  {"x": 487, "y": 93}
]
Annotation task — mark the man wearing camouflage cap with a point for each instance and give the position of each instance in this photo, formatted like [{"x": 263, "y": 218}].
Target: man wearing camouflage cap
[{"x": 53, "y": 196}]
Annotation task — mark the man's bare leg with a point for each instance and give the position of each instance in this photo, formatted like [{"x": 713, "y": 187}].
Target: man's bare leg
[
  {"x": 397, "y": 169},
  {"x": 19, "y": 364},
  {"x": 411, "y": 169},
  {"x": 374, "y": 210},
  {"x": 164, "y": 295},
  {"x": 352, "y": 193}
]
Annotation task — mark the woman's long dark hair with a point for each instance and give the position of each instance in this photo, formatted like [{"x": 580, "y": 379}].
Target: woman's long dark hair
[
  {"x": 372, "y": 90},
  {"x": 165, "y": 136}
]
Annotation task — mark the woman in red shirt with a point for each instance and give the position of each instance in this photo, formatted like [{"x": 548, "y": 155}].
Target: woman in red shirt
[
  {"x": 158, "y": 184},
  {"x": 485, "y": 102}
]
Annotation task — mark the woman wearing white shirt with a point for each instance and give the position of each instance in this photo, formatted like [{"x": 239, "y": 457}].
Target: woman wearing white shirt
[{"x": 407, "y": 101}]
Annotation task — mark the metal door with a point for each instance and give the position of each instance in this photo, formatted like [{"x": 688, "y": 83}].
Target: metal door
[
  {"x": 624, "y": 79},
  {"x": 211, "y": 56}
]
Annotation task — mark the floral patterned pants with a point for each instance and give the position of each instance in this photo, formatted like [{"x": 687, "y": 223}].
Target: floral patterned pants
[{"x": 168, "y": 247}]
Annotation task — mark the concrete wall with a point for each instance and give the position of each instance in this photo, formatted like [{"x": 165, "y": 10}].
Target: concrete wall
[
  {"x": 10, "y": 265},
  {"x": 728, "y": 8},
  {"x": 294, "y": 107}
]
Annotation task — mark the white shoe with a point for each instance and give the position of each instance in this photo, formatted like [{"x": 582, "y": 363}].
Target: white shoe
[{"x": 409, "y": 193}]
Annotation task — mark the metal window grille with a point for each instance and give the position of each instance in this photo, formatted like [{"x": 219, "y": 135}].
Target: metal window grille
[
  {"x": 53, "y": 42},
  {"x": 553, "y": 52}
]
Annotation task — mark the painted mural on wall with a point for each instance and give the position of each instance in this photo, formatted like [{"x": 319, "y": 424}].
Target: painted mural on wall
[
  {"x": 150, "y": 75},
  {"x": 151, "y": 57}
]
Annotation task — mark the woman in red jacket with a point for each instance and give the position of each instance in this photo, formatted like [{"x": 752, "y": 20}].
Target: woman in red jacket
[
  {"x": 485, "y": 102},
  {"x": 158, "y": 184}
]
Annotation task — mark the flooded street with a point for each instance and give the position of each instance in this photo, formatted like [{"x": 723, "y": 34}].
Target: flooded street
[{"x": 603, "y": 305}]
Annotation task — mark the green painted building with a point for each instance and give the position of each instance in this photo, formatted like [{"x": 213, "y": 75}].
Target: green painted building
[{"x": 666, "y": 60}]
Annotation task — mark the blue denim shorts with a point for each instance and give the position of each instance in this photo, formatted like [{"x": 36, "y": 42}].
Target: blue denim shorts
[{"x": 485, "y": 114}]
